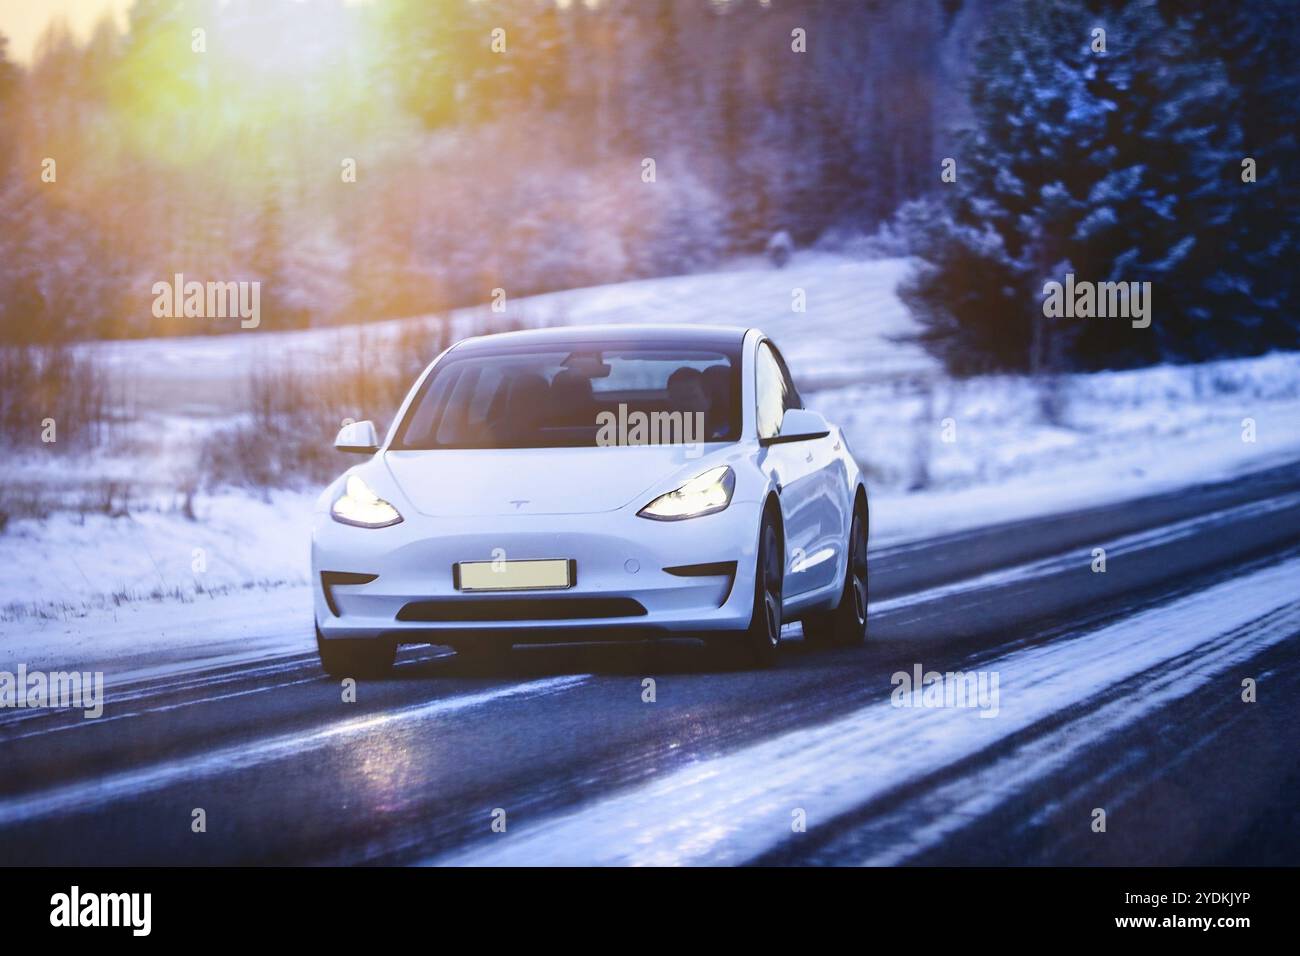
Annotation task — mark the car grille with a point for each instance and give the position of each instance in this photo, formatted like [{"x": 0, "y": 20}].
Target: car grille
[{"x": 520, "y": 609}]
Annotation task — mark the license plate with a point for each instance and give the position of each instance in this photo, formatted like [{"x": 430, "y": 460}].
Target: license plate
[{"x": 541, "y": 575}]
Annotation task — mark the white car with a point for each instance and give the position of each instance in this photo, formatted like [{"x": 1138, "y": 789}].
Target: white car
[{"x": 598, "y": 483}]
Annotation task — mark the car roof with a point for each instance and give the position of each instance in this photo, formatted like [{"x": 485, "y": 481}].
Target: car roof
[{"x": 680, "y": 336}]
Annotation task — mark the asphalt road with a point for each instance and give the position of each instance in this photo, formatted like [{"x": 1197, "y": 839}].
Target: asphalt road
[{"x": 561, "y": 744}]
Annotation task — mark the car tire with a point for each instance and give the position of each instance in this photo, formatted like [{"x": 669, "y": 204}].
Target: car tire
[
  {"x": 764, "y": 632},
  {"x": 846, "y": 624},
  {"x": 359, "y": 658}
]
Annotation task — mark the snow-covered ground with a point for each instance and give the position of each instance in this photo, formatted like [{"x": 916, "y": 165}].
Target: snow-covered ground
[
  {"x": 70, "y": 564},
  {"x": 940, "y": 455},
  {"x": 953, "y": 454}
]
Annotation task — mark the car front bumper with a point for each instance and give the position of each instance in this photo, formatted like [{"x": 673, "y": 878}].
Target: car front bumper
[{"x": 620, "y": 563}]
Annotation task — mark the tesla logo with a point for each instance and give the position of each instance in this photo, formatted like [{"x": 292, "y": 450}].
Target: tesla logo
[{"x": 519, "y": 503}]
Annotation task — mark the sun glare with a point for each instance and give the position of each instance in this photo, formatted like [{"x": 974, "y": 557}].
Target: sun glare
[
  {"x": 255, "y": 70},
  {"x": 308, "y": 38}
]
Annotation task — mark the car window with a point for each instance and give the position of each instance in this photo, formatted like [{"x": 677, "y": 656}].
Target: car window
[
  {"x": 576, "y": 396},
  {"x": 791, "y": 394},
  {"x": 770, "y": 391}
]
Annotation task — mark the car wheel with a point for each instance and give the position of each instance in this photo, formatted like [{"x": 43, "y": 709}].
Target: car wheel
[
  {"x": 764, "y": 633},
  {"x": 355, "y": 657},
  {"x": 846, "y": 625}
]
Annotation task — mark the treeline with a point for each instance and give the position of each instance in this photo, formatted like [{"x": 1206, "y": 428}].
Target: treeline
[{"x": 399, "y": 157}]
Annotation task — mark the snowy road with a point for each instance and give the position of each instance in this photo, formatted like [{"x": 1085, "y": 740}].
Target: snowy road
[{"x": 1118, "y": 691}]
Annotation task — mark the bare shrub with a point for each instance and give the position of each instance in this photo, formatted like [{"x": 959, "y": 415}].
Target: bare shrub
[
  {"x": 36, "y": 500},
  {"x": 293, "y": 411},
  {"x": 52, "y": 381}
]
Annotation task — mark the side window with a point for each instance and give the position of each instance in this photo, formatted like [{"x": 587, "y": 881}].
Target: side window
[
  {"x": 769, "y": 390},
  {"x": 792, "y": 399}
]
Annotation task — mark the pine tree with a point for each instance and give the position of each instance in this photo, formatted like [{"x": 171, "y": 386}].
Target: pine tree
[
  {"x": 1116, "y": 165},
  {"x": 1260, "y": 46}
]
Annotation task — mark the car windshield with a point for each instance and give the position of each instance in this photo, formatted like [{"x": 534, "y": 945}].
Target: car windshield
[{"x": 575, "y": 396}]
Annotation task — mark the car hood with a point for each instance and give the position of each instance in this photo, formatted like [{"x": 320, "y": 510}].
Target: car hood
[{"x": 468, "y": 482}]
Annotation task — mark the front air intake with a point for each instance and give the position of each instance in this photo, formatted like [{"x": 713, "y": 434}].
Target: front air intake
[{"x": 520, "y": 609}]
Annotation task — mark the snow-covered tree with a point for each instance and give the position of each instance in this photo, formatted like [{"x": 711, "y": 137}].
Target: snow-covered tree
[
  {"x": 1260, "y": 46},
  {"x": 1105, "y": 143}
]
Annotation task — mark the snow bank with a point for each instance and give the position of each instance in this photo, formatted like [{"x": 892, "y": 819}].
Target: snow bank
[
  {"x": 68, "y": 565},
  {"x": 941, "y": 454}
]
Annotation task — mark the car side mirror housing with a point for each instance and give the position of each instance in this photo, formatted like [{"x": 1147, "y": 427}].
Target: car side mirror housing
[
  {"x": 358, "y": 438},
  {"x": 799, "y": 424}
]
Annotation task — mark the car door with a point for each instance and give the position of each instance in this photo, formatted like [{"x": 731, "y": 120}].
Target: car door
[
  {"x": 832, "y": 504},
  {"x": 794, "y": 471},
  {"x": 829, "y": 500}
]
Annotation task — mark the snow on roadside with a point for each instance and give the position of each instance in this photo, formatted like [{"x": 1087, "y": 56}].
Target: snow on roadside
[
  {"x": 68, "y": 565},
  {"x": 147, "y": 639},
  {"x": 1121, "y": 435},
  {"x": 952, "y": 433}
]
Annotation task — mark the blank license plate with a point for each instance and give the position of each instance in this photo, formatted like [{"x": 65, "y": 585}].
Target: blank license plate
[{"x": 513, "y": 575}]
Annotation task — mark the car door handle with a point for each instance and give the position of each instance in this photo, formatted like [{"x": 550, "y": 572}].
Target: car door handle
[{"x": 810, "y": 457}]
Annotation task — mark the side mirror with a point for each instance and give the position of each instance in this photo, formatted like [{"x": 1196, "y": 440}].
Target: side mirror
[
  {"x": 799, "y": 424},
  {"x": 359, "y": 437}
]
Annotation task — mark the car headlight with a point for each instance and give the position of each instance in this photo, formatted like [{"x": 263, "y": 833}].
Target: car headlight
[
  {"x": 702, "y": 495},
  {"x": 362, "y": 507}
]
